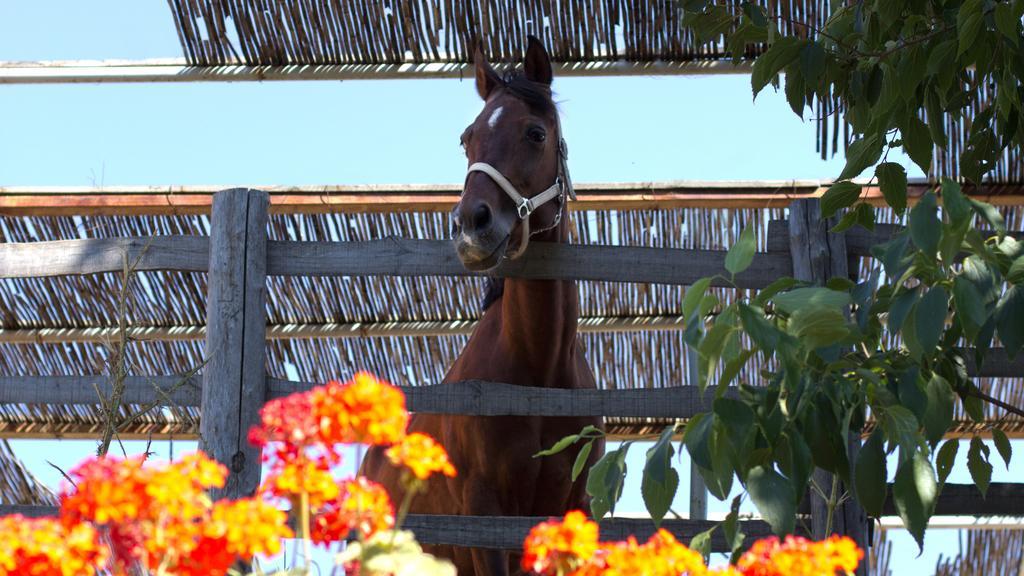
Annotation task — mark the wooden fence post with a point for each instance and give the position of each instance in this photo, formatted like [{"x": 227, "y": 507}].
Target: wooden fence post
[
  {"x": 819, "y": 255},
  {"x": 698, "y": 489},
  {"x": 234, "y": 378}
]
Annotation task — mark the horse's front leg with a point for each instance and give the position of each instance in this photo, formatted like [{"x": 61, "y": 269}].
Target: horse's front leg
[{"x": 480, "y": 500}]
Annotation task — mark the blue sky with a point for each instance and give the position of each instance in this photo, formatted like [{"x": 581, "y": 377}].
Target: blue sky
[{"x": 619, "y": 130}]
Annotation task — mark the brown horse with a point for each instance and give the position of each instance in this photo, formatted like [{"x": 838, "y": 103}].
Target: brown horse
[{"x": 527, "y": 335}]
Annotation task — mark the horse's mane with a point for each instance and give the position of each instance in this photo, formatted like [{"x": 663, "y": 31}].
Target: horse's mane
[{"x": 538, "y": 97}]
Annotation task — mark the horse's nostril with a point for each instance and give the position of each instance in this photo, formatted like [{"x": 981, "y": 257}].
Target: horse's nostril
[{"x": 481, "y": 217}]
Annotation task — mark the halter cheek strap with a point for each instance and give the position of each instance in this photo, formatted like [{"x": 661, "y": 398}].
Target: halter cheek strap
[{"x": 526, "y": 206}]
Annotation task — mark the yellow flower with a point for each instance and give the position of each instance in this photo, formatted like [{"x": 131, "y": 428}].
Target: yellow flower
[{"x": 422, "y": 455}]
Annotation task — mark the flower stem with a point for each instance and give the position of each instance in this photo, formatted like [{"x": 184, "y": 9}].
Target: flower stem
[
  {"x": 307, "y": 550},
  {"x": 831, "y": 504}
]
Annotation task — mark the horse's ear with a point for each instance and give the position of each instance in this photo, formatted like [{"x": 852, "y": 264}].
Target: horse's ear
[
  {"x": 538, "y": 64},
  {"x": 486, "y": 78}
]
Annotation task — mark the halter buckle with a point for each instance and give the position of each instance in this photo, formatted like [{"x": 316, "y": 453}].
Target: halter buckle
[{"x": 525, "y": 208}]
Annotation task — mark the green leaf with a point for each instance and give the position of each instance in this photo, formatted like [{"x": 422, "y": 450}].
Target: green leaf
[
  {"x": 969, "y": 22},
  {"x": 915, "y": 492},
  {"x": 942, "y": 64},
  {"x": 973, "y": 407},
  {"x": 954, "y": 202},
  {"x": 793, "y": 300},
  {"x": 660, "y": 480},
  {"x": 946, "y": 458},
  {"x": 605, "y": 481},
  {"x": 870, "y": 474},
  {"x": 990, "y": 214},
  {"x": 1016, "y": 273},
  {"x": 839, "y": 195},
  {"x": 559, "y": 446},
  {"x": 741, "y": 254},
  {"x": 1002, "y": 445},
  {"x": 938, "y": 417},
  {"x": 581, "y": 460},
  {"x": 900, "y": 308},
  {"x": 1010, "y": 319},
  {"x": 697, "y": 439},
  {"x": 778, "y": 56},
  {"x": 812, "y": 62},
  {"x": 901, "y": 427},
  {"x": 818, "y": 326},
  {"x": 892, "y": 179},
  {"x": 719, "y": 477},
  {"x": 1006, "y": 23},
  {"x": 731, "y": 528},
  {"x": 796, "y": 462},
  {"x": 764, "y": 334},
  {"x": 861, "y": 155},
  {"x": 930, "y": 318},
  {"x": 774, "y": 498},
  {"x": 910, "y": 340},
  {"x": 925, "y": 226},
  {"x": 917, "y": 141},
  {"x": 701, "y": 543},
  {"x": 970, "y": 308},
  {"x": 693, "y": 296},
  {"x": 795, "y": 90},
  {"x": 911, "y": 71},
  {"x": 977, "y": 463},
  {"x": 732, "y": 370},
  {"x": 766, "y": 293},
  {"x": 933, "y": 109}
]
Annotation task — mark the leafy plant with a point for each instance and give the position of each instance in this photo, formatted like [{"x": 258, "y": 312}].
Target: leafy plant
[{"x": 898, "y": 71}]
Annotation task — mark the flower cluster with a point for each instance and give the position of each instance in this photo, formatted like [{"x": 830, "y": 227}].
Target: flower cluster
[
  {"x": 421, "y": 455},
  {"x": 364, "y": 506},
  {"x": 162, "y": 515},
  {"x": 45, "y": 547},
  {"x": 129, "y": 516},
  {"x": 796, "y": 555},
  {"x": 125, "y": 515},
  {"x": 302, "y": 434},
  {"x": 571, "y": 548}
]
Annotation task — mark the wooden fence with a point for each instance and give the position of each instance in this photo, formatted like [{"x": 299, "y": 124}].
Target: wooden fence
[{"x": 238, "y": 257}]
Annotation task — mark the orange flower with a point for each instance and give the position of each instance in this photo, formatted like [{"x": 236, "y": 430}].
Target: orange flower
[
  {"x": 560, "y": 547},
  {"x": 364, "y": 410},
  {"x": 46, "y": 547},
  {"x": 363, "y": 506},
  {"x": 422, "y": 455},
  {"x": 290, "y": 479},
  {"x": 798, "y": 556},
  {"x": 160, "y": 515},
  {"x": 248, "y": 527}
]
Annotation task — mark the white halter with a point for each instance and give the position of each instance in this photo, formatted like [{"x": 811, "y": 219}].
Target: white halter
[{"x": 526, "y": 206}]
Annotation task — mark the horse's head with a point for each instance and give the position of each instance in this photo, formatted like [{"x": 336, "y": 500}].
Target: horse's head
[{"x": 517, "y": 179}]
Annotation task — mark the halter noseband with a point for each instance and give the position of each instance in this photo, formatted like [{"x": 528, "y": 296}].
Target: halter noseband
[{"x": 526, "y": 206}]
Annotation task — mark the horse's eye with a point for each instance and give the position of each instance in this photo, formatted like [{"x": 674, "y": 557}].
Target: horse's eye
[{"x": 536, "y": 135}]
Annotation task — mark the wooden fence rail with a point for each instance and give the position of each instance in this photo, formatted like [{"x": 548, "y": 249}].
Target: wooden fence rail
[
  {"x": 386, "y": 257},
  {"x": 470, "y": 397},
  {"x": 99, "y": 255}
]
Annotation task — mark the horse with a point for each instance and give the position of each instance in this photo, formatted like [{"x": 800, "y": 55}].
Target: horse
[{"x": 516, "y": 188}]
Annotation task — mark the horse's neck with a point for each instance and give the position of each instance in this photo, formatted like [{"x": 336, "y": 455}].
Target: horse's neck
[{"x": 539, "y": 318}]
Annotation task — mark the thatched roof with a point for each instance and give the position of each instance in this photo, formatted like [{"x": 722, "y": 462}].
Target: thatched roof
[
  {"x": 985, "y": 553},
  {"x": 18, "y": 486},
  {"x": 633, "y": 358},
  {"x": 298, "y": 33}
]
